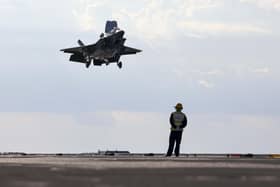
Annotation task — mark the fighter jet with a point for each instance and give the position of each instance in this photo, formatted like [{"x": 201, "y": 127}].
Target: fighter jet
[{"x": 108, "y": 49}]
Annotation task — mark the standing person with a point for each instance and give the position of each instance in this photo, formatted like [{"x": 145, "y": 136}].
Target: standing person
[{"x": 178, "y": 122}]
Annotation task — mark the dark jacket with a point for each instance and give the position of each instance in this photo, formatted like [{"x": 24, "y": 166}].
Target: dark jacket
[{"x": 182, "y": 126}]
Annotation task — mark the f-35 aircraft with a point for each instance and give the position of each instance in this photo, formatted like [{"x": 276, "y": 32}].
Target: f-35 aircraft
[{"x": 108, "y": 49}]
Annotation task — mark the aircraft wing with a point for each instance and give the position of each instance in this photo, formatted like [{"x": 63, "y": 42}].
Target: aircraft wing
[
  {"x": 79, "y": 49},
  {"x": 129, "y": 51},
  {"x": 73, "y": 50}
]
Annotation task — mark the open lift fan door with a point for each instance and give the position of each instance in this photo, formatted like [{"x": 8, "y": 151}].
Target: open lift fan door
[{"x": 110, "y": 25}]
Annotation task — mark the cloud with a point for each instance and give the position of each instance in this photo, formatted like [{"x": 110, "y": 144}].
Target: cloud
[
  {"x": 85, "y": 20},
  {"x": 85, "y": 14},
  {"x": 66, "y": 132},
  {"x": 14, "y": 3},
  {"x": 214, "y": 72},
  {"x": 232, "y": 133},
  {"x": 266, "y": 4},
  {"x": 219, "y": 28},
  {"x": 205, "y": 84},
  {"x": 137, "y": 132},
  {"x": 190, "y": 7},
  {"x": 261, "y": 70},
  {"x": 159, "y": 19},
  {"x": 156, "y": 21}
]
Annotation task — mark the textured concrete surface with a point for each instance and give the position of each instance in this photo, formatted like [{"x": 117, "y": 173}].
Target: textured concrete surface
[{"x": 137, "y": 171}]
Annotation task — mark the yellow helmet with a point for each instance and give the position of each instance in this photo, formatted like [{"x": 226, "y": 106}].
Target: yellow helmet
[{"x": 179, "y": 106}]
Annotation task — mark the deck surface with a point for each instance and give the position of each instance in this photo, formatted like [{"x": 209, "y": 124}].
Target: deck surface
[{"x": 129, "y": 171}]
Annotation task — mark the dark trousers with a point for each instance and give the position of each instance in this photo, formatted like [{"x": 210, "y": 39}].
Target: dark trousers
[{"x": 175, "y": 136}]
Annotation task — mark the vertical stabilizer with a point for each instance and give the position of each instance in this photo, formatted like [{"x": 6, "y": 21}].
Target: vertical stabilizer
[{"x": 81, "y": 44}]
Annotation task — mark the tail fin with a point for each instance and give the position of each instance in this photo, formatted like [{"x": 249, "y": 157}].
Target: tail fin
[
  {"x": 110, "y": 25},
  {"x": 81, "y": 44}
]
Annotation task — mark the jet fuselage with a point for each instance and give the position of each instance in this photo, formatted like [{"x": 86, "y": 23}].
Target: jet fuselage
[{"x": 108, "y": 49}]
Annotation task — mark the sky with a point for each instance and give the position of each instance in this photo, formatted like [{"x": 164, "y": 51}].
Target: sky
[{"x": 220, "y": 58}]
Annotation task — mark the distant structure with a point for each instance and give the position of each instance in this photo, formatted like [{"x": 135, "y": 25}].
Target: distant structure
[
  {"x": 13, "y": 154},
  {"x": 113, "y": 153}
]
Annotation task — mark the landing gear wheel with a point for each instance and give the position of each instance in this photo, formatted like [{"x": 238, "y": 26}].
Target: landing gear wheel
[
  {"x": 87, "y": 61},
  {"x": 119, "y": 65},
  {"x": 87, "y": 64}
]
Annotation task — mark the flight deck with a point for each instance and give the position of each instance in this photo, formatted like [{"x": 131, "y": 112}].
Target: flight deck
[{"x": 61, "y": 170}]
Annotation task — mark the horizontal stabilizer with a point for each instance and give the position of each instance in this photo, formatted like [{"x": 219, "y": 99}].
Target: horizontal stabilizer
[
  {"x": 129, "y": 51},
  {"x": 73, "y": 50}
]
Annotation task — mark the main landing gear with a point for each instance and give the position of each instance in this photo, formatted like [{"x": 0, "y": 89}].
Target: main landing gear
[
  {"x": 87, "y": 61},
  {"x": 119, "y": 65},
  {"x": 88, "y": 64}
]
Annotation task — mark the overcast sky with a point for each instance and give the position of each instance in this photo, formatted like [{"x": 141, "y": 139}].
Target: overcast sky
[{"x": 220, "y": 58}]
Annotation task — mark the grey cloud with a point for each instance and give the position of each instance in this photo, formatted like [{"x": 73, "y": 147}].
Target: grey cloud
[
  {"x": 205, "y": 133},
  {"x": 40, "y": 78},
  {"x": 266, "y": 4}
]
